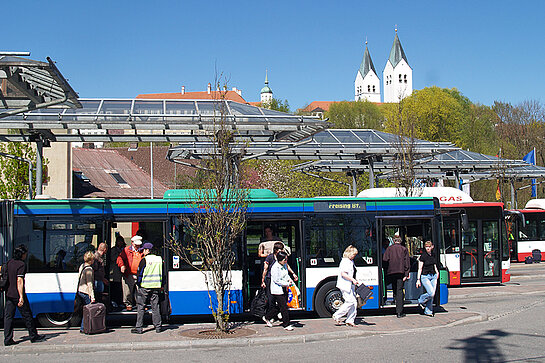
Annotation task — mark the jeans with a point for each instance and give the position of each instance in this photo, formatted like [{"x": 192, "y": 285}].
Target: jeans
[
  {"x": 99, "y": 287},
  {"x": 87, "y": 299},
  {"x": 429, "y": 282},
  {"x": 348, "y": 308}
]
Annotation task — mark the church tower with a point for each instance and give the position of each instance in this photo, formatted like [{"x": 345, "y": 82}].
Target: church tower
[
  {"x": 266, "y": 92},
  {"x": 397, "y": 75},
  {"x": 367, "y": 83}
]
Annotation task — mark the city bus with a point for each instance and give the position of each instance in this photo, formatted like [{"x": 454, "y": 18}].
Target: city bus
[
  {"x": 474, "y": 236},
  {"x": 58, "y": 233},
  {"x": 527, "y": 230}
]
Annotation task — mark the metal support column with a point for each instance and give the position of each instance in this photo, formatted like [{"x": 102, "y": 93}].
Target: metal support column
[
  {"x": 39, "y": 163},
  {"x": 513, "y": 194},
  {"x": 354, "y": 184},
  {"x": 151, "y": 166},
  {"x": 371, "y": 174}
]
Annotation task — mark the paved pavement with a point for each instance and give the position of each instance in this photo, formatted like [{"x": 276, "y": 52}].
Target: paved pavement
[{"x": 306, "y": 330}]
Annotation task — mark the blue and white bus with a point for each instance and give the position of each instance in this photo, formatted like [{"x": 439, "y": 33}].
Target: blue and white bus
[{"x": 317, "y": 230}]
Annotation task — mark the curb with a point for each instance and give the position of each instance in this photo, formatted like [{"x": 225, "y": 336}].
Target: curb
[{"x": 214, "y": 343}]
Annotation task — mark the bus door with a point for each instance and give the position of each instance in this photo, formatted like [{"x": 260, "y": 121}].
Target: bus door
[
  {"x": 118, "y": 235},
  {"x": 413, "y": 231},
  {"x": 480, "y": 253},
  {"x": 288, "y": 232}
]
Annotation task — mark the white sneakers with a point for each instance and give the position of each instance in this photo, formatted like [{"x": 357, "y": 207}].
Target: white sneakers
[
  {"x": 268, "y": 322},
  {"x": 289, "y": 328}
]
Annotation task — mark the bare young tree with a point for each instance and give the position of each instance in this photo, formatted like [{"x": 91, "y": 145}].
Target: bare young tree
[
  {"x": 218, "y": 216},
  {"x": 406, "y": 157}
]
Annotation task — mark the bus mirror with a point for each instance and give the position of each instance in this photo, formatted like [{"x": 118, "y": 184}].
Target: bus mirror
[{"x": 465, "y": 222}]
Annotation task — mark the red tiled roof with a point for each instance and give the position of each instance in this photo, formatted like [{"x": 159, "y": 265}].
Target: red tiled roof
[
  {"x": 163, "y": 170},
  {"x": 213, "y": 95},
  {"x": 318, "y": 106},
  {"x": 94, "y": 164}
]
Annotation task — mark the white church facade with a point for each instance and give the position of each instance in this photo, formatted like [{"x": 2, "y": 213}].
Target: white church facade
[{"x": 397, "y": 77}]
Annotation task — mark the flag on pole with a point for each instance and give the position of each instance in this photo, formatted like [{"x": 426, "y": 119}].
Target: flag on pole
[
  {"x": 498, "y": 191},
  {"x": 530, "y": 158}
]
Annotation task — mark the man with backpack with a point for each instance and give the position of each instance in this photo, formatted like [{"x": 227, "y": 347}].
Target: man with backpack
[{"x": 16, "y": 298}]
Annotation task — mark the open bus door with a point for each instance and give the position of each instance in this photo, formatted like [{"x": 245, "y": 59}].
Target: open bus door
[
  {"x": 413, "y": 231},
  {"x": 289, "y": 232}
]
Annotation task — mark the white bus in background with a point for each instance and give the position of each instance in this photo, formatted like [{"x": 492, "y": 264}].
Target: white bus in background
[
  {"x": 474, "y": 234},
  {"x": 527, "y": 234}
]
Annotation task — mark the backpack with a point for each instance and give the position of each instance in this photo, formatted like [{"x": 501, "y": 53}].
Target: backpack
[
  {"x": 528, "y": 260},
  {"x": 4, "y": 279}
]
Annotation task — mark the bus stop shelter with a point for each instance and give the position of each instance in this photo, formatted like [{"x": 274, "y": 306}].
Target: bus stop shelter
[
  {"x": 344, "y": 146},
  {"x": 462, "y": 166}
]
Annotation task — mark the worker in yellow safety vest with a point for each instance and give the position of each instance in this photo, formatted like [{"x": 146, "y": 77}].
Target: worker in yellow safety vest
[{"x": 149, "y": 281}]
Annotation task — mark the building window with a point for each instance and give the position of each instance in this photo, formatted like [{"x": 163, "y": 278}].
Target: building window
[
  {"x": 373, "y": 89},
  {"x": 400, "y": 81},
  {"x": 405, "y": 78},
  {"x": 368, "y": 88},
  {"x": 118, "y": 178}
]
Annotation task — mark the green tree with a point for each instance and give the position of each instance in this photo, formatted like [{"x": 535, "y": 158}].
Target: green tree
[
  {"x": 356, "y": 115},
  {"x": 477, "y": 133},
  {"x": 435, "y": 112},
  {"x": 277, "y": 105},
  {"x": 14, "y": 173}
]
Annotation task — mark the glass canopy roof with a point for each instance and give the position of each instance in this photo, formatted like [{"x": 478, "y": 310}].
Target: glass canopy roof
[
  {"x": 457, "y": 164},
  {"x": 32, "y": 85},
  {"x": 331, "y": 144},
  {"x": 162, "y": 120}
]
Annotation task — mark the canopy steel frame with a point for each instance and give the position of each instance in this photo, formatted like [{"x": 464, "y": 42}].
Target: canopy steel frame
[
  {"x": 161, "y": 120},
  {"x": 38, "y": 84}
]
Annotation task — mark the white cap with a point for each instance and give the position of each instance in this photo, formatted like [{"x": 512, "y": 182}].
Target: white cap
[{"x": 136, "y": 239}]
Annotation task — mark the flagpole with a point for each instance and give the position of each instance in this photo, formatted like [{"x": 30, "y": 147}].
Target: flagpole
[{"x": 535, "y": 163}]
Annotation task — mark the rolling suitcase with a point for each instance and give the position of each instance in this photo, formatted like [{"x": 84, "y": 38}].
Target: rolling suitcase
[
  {"x": 536, "y": 256},
  {"x": 94, "y": 318}
]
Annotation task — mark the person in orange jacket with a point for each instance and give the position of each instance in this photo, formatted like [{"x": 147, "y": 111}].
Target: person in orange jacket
[{"x": 128, "y": 261}]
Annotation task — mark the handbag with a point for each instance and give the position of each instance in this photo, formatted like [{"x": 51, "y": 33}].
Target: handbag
[
  {"x": 363, "y": 293},
  {"x": 79, "y": 303}
]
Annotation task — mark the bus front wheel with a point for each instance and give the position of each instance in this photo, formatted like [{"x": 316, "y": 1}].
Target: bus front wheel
[
  {"x": 328, "y": 299},
  {"x": 58, "y": 320}
]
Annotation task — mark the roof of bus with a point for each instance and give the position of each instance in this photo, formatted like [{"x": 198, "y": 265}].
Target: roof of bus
[{"x": 473, "y": 204}]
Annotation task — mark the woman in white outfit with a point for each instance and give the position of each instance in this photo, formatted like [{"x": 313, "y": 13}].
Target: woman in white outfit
[{"x": 347, "y": 284}]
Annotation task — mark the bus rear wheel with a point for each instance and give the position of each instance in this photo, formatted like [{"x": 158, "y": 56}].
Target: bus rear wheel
[
  {"x": 328, "y": 299},
  {"x": 58, "y": 320}
]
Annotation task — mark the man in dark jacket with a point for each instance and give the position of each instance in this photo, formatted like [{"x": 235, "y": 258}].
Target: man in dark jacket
[
  {"x": 397, "y": 258},
  {"x": 16, "y": 298}
]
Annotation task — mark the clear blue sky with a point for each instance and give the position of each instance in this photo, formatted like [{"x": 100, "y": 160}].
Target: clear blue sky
[{"x": 489, "y": 50}]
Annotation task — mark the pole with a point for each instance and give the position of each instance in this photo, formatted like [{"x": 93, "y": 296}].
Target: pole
[
  {"x": 29, "y": 180},
  {"x": 513, "y": 199},
  {"x": 354, "y": 184},
  {"x": 371, "y": 174},
  {"x": 151, "y": 166},
  {"x": 39, "y": 158}
]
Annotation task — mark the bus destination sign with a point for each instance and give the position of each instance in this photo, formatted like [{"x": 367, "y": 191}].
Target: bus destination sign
[{"x": 339, "y": 206}]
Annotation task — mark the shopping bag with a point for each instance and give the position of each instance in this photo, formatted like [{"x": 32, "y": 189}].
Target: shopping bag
[
  {"x": 293, "y": 297},
  {"x": 258, "y": 305},
  {"x": 363, "y": 293}
]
